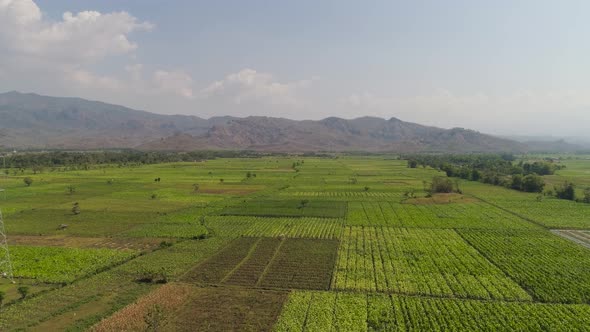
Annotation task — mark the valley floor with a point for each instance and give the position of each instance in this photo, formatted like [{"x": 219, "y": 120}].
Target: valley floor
[{"x": 288, "y": 244}]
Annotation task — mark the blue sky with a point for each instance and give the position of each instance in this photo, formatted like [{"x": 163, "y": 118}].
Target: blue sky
[{"x": 505, "y": 67}]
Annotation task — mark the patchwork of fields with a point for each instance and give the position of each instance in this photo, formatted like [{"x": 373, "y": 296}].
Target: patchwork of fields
[{"x": 288, "y": 244}]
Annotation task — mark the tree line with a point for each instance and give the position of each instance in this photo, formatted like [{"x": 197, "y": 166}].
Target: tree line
[
  {"x": 122, "y": 158},
  {"x": 500, "y": 170}
]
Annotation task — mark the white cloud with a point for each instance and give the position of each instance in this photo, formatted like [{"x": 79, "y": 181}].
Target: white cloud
[
  {"x": 250, "y": 86},
  {"x": 91, "y": 80},
  {"x": 176, "y": 82},
  {"x": 80, "y": 38},
  {"x": 63, "y": 52}
]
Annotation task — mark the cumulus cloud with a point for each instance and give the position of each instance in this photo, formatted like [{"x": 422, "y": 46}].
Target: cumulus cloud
[
  {"x": 78, "y": 38},
  {"x": 176, "y": 82},
  {"x": 64, "y": 52},
  {"x": 251, "y": 86}
]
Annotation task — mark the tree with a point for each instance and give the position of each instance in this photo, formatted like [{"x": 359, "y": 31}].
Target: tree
[
  {"x": 221, "y": 180},
  {"x": 441, "y": 184},
  {"x": 516, "y": 182},
  {"x": 23, "y": 291},
  {"x": 37, "y": 169},
  {"x": 196, "y": 187},
  {"x": 409, "y": 194},
  {"x": 76, "y": 209},
  {"x": 412, "y": 163},
  {"x": 303, "y": 203},
  {"x": 71, "y": 190},
  {"x": 2, "y": 297},
  {"x": 533, "y": 183},
  {"x": 586, "y": 198},
  {"x": 566, "y": 191},
  {"x": 475, "y": 175},
  {"x": 28, "y": 181}
]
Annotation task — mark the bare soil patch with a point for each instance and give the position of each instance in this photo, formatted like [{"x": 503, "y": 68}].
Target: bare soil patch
[
  {"x": 270, "y": 263},
  {"x": 183, "y": 307}
]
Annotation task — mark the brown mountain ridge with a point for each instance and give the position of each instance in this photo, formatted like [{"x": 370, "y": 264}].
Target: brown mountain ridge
[{"x": 41, "y": 122}]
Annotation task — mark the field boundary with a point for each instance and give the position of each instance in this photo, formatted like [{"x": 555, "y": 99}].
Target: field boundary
[
  {"x": 267, "y": 267},
  {"x": 561, "y": 232},
  {"x": 510, "y": 211},
  {"x": 535, "y": 299}
]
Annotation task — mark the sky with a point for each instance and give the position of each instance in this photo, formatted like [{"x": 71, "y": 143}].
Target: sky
[{"x": 506, "y": 67}]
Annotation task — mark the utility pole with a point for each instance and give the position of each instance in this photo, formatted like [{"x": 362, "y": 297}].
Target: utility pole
[
  {"x": 5, "y": 174},
  {"x": 5, "y": 263}
]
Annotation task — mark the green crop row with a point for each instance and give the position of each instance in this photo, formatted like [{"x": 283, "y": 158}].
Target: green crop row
[
  {"x": 323, "y": 311},
  {"x": 62, "y": 265},
  {"x": 418, "y": 261},
  {"x": 466, "y": 215},
  {"x": 307, "y": 227},
  {"x": 288, "y": 208},
  {"x": 553, "y": 269}
]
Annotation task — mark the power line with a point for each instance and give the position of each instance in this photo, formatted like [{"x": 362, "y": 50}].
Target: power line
[{"x": 5, "y": 263}]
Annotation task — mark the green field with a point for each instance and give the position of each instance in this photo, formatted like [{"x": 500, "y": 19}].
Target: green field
[{"x": 304, "y": 244}]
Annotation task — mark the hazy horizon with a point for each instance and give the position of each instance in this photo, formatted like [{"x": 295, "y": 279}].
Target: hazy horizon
[{"x": 504, "y": 68}]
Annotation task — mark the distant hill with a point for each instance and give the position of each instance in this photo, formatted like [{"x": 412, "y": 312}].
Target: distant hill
[
  {"x": 34, "y": 121},
  {"x": 552, "y": 144}
]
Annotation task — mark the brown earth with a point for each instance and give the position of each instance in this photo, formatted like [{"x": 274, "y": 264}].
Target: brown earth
[{"x": 270, "y": 263}]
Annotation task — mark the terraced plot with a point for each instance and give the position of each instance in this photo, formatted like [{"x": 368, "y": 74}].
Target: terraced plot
[
  {"x": 419, "y": 261},
  {"x": 270, "y": 263}
]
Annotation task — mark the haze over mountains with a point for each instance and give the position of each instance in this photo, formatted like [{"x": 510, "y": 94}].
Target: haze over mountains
[{"x": 41, "y": 122}]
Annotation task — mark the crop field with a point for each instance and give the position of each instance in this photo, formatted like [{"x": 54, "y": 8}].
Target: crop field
[
  {"x": 454, "y": 215},
  {"x": 551, "y": 268},
  {"x": 62, "y": 265},
  {"x": 579, "y": 236},
  {"x": 270, "y": 263},
  {"x": 288, "y": 208},
  {"x": 415, "y": 261},
  {"x": 340, "y": 311},
  {"x": 550, "y": 213},
  {"x": 306, "y": 227},
  {"x": 289, "y": 243}
]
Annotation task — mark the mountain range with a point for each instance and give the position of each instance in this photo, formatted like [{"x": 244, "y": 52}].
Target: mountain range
[{"x": 32, "y": 121}]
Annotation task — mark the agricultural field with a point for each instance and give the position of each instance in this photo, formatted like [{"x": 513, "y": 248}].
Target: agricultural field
[
  {"x": 289, "y": 243},
  {"x": 579, "y": 236}
]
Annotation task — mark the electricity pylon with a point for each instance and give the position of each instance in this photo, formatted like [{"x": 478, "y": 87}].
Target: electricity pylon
[{"x": 5, "y": 264}]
